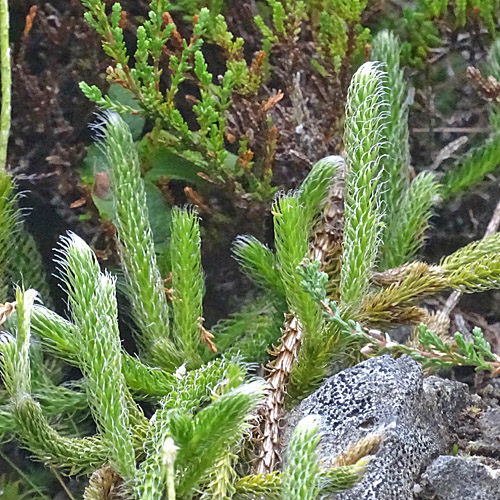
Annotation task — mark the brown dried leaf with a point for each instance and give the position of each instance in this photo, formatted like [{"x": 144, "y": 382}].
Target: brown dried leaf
[
  {"x": 206, "y": 336},
  {"x": 6, "y": 310},
  {"x": 272, "y": 101},
  {"x": 29, "y": 20}
]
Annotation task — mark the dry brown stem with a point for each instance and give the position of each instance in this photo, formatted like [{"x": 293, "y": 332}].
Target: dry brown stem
[
  {"x": 271, "y": 415},
  {"x": 325, "y": 247}
]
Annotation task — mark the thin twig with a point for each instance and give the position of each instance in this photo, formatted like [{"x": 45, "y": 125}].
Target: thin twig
[
  {"x": 61, "y": 482},
  {"x": 459, "y": 130},
  {"x": 491, "y": 229},
  {"x": 23, "y": 475}
]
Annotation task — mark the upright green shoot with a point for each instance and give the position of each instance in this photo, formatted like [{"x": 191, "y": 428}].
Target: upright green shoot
[
  {"x": 472, "y": 168},
  {"x": 144, "y": 282},
  {"x": 366, "y": 113},
  {"x": 302, "y": 473},
  {"x": 396, "y": 160},
  {"x": 20, "y": 384},
  {"x": 313, "y": 193},
  {"x": 100, "y": 354},
  {"x": 26, "y": 266},
  {"x": 9, "y": 214},
  {"x": 259, "y": 263},
  {"x": 187, "y": 283},
  {"x": 32, "y": 428},
  {"x": 292, "y": 236},
  {"x": 412, "y": 220}
]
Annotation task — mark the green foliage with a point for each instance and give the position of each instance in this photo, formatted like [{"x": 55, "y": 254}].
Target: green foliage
[
  {"x": 329, "y": 481},
  {"x": 100, "y": 351},
  {"x": 474, "y": 275},
  {"x": 203, "y": 404},
  {"x": 199, "y": 440},
  {"x": 291, "y": 235},
  {"x": 301, "y": 474},
  {"x": 406, "y": 208},
  {"x": 333, "y": 25},
  {"x": 204, "y": 148},
  {"x": 421, "y": 35},
  {"x": 222, "y": 478},
  {"x": 8, "y": 216},
  {"x": 287, "y": 17},
  {"x": 191, "y": 7},
  {"x": 195, "y": 389},
  {"x": 31, "y": 426},
  {"x": 58, "y": 336},
  {"x": 291, "y": 239},
  {"x": 187, "y": 283},
  {"x": 252, "y": 330},
  {"x": 433, "y": 352},
  {"x": 219, "y": 421},
  {"x": 259, "y": 263},
  {"x": 476, "y": 353},
  {"x": 315, "y": 189},
  {"x": 214, "y": 429},
  {"x": 339, "y": 22},
  {"x": 421, "y": 26},
  {"x": 295, "y": 217},
  {"x": 26, "y": 265},
  {"x": 470, "y": 169},
  {"x": 6, "y": 77},
  {"x": 410, "y": 222},
  {"x": 472, "y": 253},
  {"x": 342, "y": 478},
  {"x": 365, "y": 120},
  {"x": 145, "y": 287}
]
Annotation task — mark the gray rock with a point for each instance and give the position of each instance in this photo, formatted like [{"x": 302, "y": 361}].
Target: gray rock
[
  {"x": 383, "y": 393},
  {"x": 486, "y": 440},
  {"x": 459, "y": 478}
]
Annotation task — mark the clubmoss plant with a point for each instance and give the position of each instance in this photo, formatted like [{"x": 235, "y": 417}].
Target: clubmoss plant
[
  {"x": 407, "y": 206},
  {"x": 204, "y": 411},
  {"x": 341, "y": 266},
  {"x": 470, "y": 169}
]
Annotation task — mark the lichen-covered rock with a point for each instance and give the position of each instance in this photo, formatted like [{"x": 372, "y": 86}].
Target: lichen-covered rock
[
  {"x": 383, "y": 393},
  {"x": 460, "y": 478}
]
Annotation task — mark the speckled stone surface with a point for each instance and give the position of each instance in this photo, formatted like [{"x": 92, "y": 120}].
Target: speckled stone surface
[
  {"x": 417, "y": 413},
  {"x": 460, "y": 478}
]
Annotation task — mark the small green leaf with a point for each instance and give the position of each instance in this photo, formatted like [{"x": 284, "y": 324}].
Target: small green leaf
[
  {"x": 93, "y": 162},
  {"x": 164, "y": 162},
  {"x": 117, "y": 93},
  {"x": 159, "y": 216}
]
